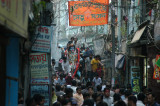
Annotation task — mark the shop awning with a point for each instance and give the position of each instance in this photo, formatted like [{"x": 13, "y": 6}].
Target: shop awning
[{"x": 138, "y": 35}]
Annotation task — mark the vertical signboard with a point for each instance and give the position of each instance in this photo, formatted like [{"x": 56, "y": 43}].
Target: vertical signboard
[
  {"x": 42, "y": 41},
  {"x": 39, "y": 68},
  {"x": 135, "y": 79},
  {"x": 42, "y": 90},
  {"x": 156, "y": 74}
]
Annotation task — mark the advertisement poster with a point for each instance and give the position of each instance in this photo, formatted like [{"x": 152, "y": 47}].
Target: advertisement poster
[
  {"x": 42, "y": 41},
  {"x": 156, "y": 74},
  {"x": 135, "y": 79},
  {"x": 42, "y": 90},
  {"x": 85, "y": 13},
  {"x": 39, "y": 68}
]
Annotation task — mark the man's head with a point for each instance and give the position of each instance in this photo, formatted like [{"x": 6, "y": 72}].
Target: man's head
[
  {"x": 72, "y": 38},
  {"x": 75, "y": 39},
  {"x": 64, "y": 59},
  {"x": 61, "y": 77},
  {"x": 132, "y": 100},
  {"x": 69, "y": 92},
  {"x": 141, "y": 97},
  {"x": 150, "y": 98},
  {"x": 90, "y": 90},
  {"x": 74, "y": 83},
  {"x": 127, "y": 93},
  {"x": 78, "y": 90},
  {"x": 58, "y": 87},
  {"x": 106, "y": 92}
]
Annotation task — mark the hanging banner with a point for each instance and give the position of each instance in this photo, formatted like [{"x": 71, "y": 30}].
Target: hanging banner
[
  {"x": 135, "y": 76},
  {"x": 101, "y": 1},
  {"x": 156, "y": 74},
  {"x": 39, "y": 68},
  {"x": 42, "y": 41},
  {"x": 85, "y": 13}
]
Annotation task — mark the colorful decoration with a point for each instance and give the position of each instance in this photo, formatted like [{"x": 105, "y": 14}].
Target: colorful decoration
[{"x": 156, "y": 74}]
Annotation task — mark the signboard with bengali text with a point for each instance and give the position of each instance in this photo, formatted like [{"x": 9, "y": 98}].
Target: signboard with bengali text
[
  {"x": 42, "y": 41},
  {"x": 135, "y": 79},
  {"x": 39, "y": 68},
  {"x": 42, "y": 90},
  {"x": 85, "y": 13}
]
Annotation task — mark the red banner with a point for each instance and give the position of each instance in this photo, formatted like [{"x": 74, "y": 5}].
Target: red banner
[
  {"x": 85, "y": 13},
  {"x": 156, "y": 74}
]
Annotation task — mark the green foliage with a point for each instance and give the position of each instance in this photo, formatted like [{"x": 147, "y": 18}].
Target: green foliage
[{"x": 36, "y": 9}]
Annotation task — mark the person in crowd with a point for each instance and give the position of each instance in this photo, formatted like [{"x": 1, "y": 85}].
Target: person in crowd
[
  {"x": 73, "y": 87},
  {"x": 102, "y": 104},
  {"x": 88, "y": 67},
  {"x": 69, "y": 79},
  {"x": 61, "y": 81},
  {"x": 85, "y": 80},
  {"x": 68, "y": 93},
  {"x": 94, "y": 65},
  {"x": 100, "y": 67},
  {"x": 58, "y": 90},
  {"x": 70, "y": 43},
  {"x": 53, "y": 70},
  {"x": 66, "y": 66},
  {"x": 127, "y": 94},
  {"x": 97, "y": 98},
  {"x": 78, "y": 96},
  {"x": 90, "y": 91},
  {"x": 20, "y": 99},
  {"x": 30, "y": 102},
  {"x": 39, "y": 100},
  {"x": 117, "y": 89},
  {"x": 99, "y": 89},
  {"x": 112, "y": 91},
  {"x": 54, "y": 97},
  {"x": 59, "y": 101},
  {"x": 140, "y": 99},
  {"x": 121, "y": 92},
  {"x": 152, "y": 100},
  {"x": 84, "y": 88},
  {"x": 97, "y": 81},
  {"x": 86, "y": 95},
  {"x": 66, "y": 102},
  {"x": 116, "y": 98},
  {"x": 76, "y": 43},
  {"x": 120, "y": 103},
  {"x": 107, "y": 98},
  {"x": 132, "y": 100},
  {"x": 88, "y": 102}
]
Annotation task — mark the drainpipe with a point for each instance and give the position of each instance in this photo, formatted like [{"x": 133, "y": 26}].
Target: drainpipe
[{"x": 119, "y": 25}]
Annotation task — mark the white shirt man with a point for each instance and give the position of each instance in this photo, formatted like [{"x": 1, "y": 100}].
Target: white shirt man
[
  {"x": 66, "y": 67},
  {"x": 107, "y": 98},
  {"x": 97, "y": 81}
]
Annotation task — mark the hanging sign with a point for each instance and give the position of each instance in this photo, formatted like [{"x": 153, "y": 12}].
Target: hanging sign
[
  {"x": 135, "y": 82},
  {"x": 85, "y": 13},
  {"x": 39, "y": 68},
  {"x": 101, "y": 1},
  {"x": 42, "y": 90},
  {"x": 42, "y": 41},
  {"x": 156, "y": 74}
]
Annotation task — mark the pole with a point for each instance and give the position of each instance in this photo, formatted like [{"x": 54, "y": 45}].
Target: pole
[
  {"x": 113, "y": 40},
  {"x": 119, "y": 25}
]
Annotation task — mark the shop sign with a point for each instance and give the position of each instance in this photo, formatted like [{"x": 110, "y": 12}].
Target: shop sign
[
  {"x": 156, "y": 74},
  {"x": 101, "y": 1},
  {"x": 14, "y": 15},
  {"x": 86, "y": 13},
  {"x": 42, "y": 40},
  {"x": 39, "y": 68},
  {"x": 42, "y": 90},
  {"x": 135, "y": 79}
]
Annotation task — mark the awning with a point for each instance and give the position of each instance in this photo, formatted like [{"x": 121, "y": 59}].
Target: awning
[{"x": 138, "y": 35}]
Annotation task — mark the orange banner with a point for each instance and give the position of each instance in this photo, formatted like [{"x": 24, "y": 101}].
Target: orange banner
[
  {"x": 101, "y": 1},
  {"x": 156, "y": 74},
  {"x": 85, "y": 13}
]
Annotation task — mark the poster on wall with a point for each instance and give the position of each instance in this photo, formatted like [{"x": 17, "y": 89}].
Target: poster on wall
[
  {"x": 39, "y": 68},
  {"x": 42, "y": 40},
  {"x": 42, "y": 90},
  {"x": 156, "y": 74},
  {"x": 135, "y": 79},
  {"x": 86, "y": 13}
]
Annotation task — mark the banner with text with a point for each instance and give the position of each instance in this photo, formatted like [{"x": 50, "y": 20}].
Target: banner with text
[
  {"x": 42, "y": 90},
  {"x": 156, "y": 74},
  {"x": 42, "y": 41},
  {"x": 85, "y": 13},
  {"x": 101, "y": 1},
  {"x": 39, "y": 68}
]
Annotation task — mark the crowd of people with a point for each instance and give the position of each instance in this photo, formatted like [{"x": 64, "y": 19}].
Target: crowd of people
[{"x": 87, "y": 87}]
